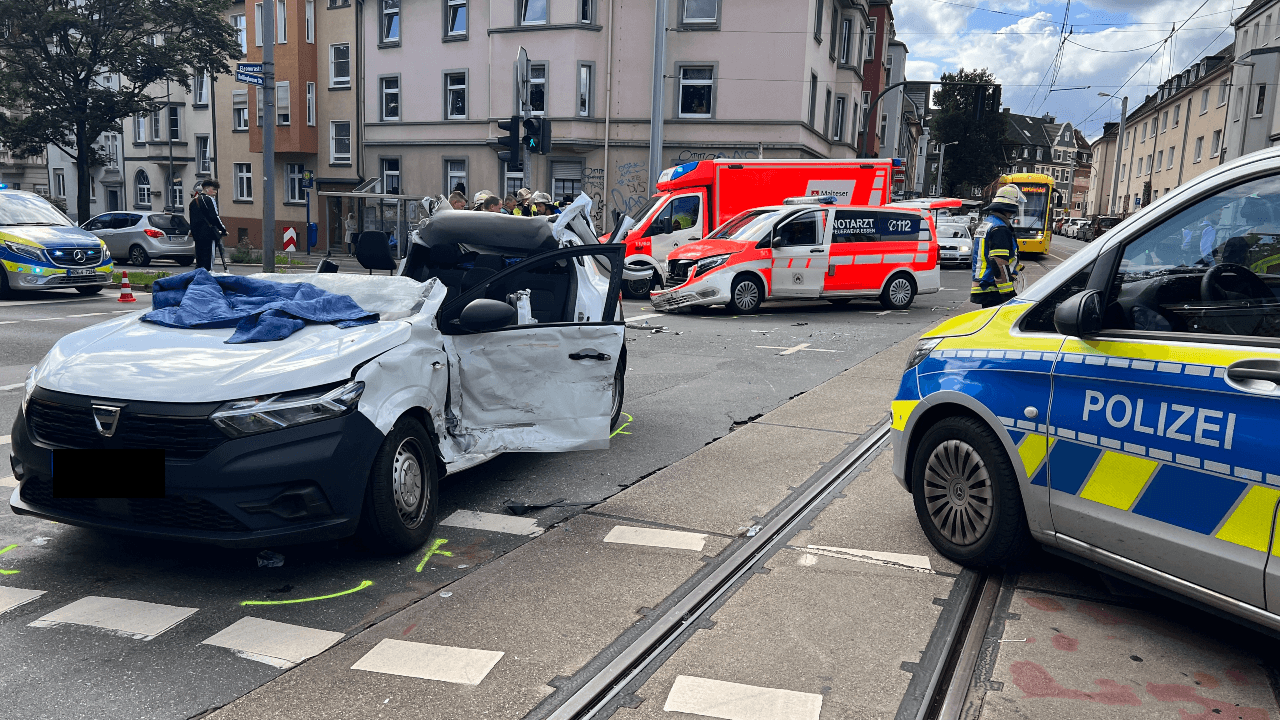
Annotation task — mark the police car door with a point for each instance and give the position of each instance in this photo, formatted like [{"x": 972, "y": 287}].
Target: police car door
[
  {"x": 1165, "y": 416},
  {"x": 800, "y": 255}
]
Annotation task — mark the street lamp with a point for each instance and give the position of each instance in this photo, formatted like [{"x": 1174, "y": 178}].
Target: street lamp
[
  {"x": 1115, "y": 177},
  {"x": 942, "y": 156}
]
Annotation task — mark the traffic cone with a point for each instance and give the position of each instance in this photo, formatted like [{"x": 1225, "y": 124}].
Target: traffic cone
[{"x": 126, "y": 293}]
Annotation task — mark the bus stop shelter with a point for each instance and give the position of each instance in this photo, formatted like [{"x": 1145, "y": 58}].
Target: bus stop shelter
[{"x": 391, "y": 214}]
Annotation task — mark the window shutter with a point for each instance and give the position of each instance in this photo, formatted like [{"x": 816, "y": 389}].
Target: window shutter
[{"x": 571, "y": 170}]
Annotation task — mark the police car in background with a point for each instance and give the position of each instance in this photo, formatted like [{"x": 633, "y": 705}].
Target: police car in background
[{"x": 1124, "y": 409}]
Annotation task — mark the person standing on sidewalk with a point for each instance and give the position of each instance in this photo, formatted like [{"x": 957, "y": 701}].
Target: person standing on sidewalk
[
  {"x": 995, "y": 250},
  {"x": 206, "y": 226},
  {"x": 352, "y": 229}
]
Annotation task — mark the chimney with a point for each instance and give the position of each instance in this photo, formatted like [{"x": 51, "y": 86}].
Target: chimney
[{"x": 1049, "y": 118}]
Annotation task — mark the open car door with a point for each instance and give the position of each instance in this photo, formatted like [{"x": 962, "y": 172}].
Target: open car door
[{"x": 547, "y": 382}]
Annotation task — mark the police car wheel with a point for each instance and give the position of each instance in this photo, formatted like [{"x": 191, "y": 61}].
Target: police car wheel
[
  {"x": 745, "y": 295},
  {"x": 401, "y": 496},
  {"x": 966, "y": 494},
  {"x": 899, "y": 293}
]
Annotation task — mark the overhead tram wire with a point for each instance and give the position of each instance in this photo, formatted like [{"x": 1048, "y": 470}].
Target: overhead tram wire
[
  {"x": 1054, "y": 64},
  {"x": 1144, "y": 47},
  {"x": 1054, "y": 22}
]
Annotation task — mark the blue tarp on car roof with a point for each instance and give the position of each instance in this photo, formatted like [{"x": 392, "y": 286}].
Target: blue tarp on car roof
[{"x": 259, "y": 310}]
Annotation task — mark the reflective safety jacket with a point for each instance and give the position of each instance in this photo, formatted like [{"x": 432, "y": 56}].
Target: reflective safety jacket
[{"x": 993, "y": 239}]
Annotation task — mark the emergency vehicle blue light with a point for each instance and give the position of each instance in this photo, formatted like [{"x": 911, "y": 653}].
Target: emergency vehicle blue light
[
  {"x": 684, "y": 169},
  {"x": 897, "y": 162},
  {"x": 4, "y": 186}
]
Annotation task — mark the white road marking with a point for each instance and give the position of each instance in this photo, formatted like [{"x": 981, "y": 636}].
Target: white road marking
[
  {"x": 4, "y": 439},
  {"x": 128, "y": 618},
  {"x": 9, "y": 322},
  {"x": 30, "y": 303},
  {"x": 8, "y": 481},
  {"x": 88, "y": 314},
  {"x": 919, "y": 563},
  {"x": 277, "y": 644},
  {"x": 14, "y": 386},
  {"x": 12, "y": 597},
  {"x": 463, "y": 666},
  {"x": 643, "y": 317},
  {"x": 793, "y": 350},
  {"x": 653, "y": 537},
  {"x": 735, "y": 701},
  {"x": 493, "y": 522}
]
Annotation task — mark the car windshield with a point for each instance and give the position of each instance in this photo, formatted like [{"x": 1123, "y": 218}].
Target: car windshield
[
  {"x": 745, "y": 224},
  {"x": 24, "y": 209},
  {"x": 1033, "y": 211},
  {"x": 172, "y": 224},
  {"x": 645, "y": 209}
]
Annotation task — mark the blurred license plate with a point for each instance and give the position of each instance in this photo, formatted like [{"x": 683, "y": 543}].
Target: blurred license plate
[
  {"x": 80, "y": 272},
  {"x": 177, "y": 238}
]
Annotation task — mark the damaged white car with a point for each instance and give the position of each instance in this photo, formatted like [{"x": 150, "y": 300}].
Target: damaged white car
[{"x": 496, "y": 334}]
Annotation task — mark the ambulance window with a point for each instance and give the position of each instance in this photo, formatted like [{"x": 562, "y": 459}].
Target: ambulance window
[
  {"x": 804, "y": 229},
  {"x": 684, "y": 212},
  {"x": 658, "y": 225},
  {"x": 1213, "y": 268},
  {"x": 852, "y": 226},
  {"x": 1040, "y": 319}
]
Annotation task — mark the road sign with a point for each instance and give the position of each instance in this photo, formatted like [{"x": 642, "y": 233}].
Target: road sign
[
  {"x": 308, "y": 179},
  {"x": 255, "y": 68},
  {"x": 290, "y": 240},
  {"x": 249, "y": 78}
]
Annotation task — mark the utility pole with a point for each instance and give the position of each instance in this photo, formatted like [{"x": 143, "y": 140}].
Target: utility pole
[
  {"x": 942, "y": 156},
  {"x": 1115, "y": 175},
  {"x": 168, "y": 133},
  {"x": 269, "y": 136},
  {"x": 659, "y": 87}
]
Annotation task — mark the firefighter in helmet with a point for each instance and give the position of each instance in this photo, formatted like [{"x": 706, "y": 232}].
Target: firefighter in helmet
[{"x": 995, "y": 250}]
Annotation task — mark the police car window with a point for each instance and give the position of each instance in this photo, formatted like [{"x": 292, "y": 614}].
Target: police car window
[
  {"x": 805, "y": 229},
  {"x": 1213, "y": 268},
  {"x": 684, "y": 212}
]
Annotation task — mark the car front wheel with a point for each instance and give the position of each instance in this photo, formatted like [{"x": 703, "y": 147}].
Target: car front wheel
[
  {"x": 401, "y": 496},
  {"x": 966, "y": 494},
  {"x": 745, "y": 295},
  {"x": 637, "y": 289}
]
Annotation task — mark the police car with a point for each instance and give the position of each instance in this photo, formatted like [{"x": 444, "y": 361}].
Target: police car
[{"x": 1124, "y": 409}]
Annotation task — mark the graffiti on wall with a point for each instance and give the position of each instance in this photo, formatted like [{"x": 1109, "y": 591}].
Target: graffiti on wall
[
  {"x": 628, "y": 191},
  {"x": 696, "y": 155}
]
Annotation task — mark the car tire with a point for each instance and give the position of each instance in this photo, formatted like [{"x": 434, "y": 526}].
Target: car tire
[
  {"x": 619, "y": 392},
  {"x": 89, "y": 289},
  {"x": 138, "y": 256},
  {"x": 957, "y": 462},
  {"x": 637, "y": 289},
  {"x": 6, "y": 291},
  {"x": 401, "y": 496},
  {"x": 746, "y": 292},
  {"x": 184, "y": 261},
  {"x": 840, "y": 301},
  {"x": 898, "y": 293}
]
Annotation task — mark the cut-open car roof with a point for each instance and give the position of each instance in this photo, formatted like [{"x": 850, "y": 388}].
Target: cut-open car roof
[{"x": 462, "y": 227}]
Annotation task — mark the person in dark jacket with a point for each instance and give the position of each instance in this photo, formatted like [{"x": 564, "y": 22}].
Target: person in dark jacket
[
  {"x": 206, "y": 226},
  {"x": 995, "y": 250}
]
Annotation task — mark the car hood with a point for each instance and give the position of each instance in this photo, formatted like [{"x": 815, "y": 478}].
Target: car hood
[
  {"x": 128, "y": 359},
  {"x": 50, "y": 236},
  {"x": 707, "y": 248}
]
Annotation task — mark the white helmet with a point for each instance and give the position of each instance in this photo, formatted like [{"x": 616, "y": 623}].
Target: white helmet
[{"x": 1008, "y": 199}]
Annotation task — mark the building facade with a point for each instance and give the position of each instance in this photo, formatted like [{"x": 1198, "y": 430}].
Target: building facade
[
  {"x": 1043, "y": 145},
  {"x": 1252, "y": 123},
  {"x": 875, "y": 123}
]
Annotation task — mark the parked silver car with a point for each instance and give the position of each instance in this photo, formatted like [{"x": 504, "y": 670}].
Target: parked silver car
[
  {"x": 138, "y": 238},
  {"x": 955, "y": 244}
]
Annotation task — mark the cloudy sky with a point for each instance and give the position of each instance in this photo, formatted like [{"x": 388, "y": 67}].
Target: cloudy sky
[{"x": 1107, "y": 42}]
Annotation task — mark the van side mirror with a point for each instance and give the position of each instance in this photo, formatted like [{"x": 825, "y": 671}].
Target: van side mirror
[
  {"x": 777, "y": 241},
  {"x": 483, "y": 315},
  {"x": 1079, "y": 315}
]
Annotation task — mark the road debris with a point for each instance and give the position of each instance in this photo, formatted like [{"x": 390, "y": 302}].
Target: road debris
[{"x": 268, "y": 558}]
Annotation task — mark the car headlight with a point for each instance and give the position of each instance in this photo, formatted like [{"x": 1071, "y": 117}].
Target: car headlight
[
  {"x": 921, "y": 351},
  {"x": 707, "y": 264},
  {"x": 258, "y": 415},
  {"x": 25, "y": 250},
  {"x": 28, "y": 387},
  {"x": 965, "y": 248},
  {"x": 106, "y": 253}
]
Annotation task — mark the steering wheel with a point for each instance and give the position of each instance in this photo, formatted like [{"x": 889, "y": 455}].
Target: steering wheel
[{"x": 1253, "y": 287}]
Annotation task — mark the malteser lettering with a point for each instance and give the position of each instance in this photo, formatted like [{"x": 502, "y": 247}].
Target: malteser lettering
[{"x": 1121, "y": 411}]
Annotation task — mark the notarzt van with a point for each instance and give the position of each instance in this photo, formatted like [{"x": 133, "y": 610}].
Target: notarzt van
[{"x": 805, "y": 251}]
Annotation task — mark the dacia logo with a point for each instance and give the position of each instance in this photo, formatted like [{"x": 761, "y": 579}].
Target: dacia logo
[{"x": 106, "y": 418}]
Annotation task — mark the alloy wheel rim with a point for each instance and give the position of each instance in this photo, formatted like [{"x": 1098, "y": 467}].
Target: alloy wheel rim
[
  {"x": 958, "y": 492},
  {"x": 639, "y": 287},
  {"x": 137, "y": 256},
  {"x": 900, "y": 291},
  {"x": 746, "y": 294},
  {"x": 408, "y": 486}
]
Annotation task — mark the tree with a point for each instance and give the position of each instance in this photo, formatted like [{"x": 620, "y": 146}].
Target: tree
[
  {"x": 969, "y": 116},
  {"x": 71, "y": 70}
]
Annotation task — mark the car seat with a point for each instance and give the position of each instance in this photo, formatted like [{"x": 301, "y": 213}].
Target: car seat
[{"x": 373, "y": 251}]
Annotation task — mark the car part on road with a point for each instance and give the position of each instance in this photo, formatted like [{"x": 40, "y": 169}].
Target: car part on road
[
  {"x": 138, "y": 256},
  {"x": 400, "y": 500},
  {"x": 637, "y": 289},
  {"x": 745, "y": 294},
  {"x": 898, "y": 293}
]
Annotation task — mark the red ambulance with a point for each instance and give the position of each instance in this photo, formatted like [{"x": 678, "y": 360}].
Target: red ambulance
[
  {"x": 806, "y": 250},
  {"x": 695, "y": 198}
]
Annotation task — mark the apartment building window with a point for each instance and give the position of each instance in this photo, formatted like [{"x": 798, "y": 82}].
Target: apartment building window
[
  {"x": 391, "y": 21},
  {"x": 455, "y": 99},
  {"x": 846, "y": 36},
  {"x": 700, "y": 11},
  {"x": 455, "y": 174},
  {"x": 390, "y": 91},
  {"x": 1244, "y": 39},
  {"x": 1123, "y": 169},
  {"x": 1177, "y": 114},
  {"x": 59, "y": 184},
  {"x": 201, "y": 88},
  {"x": 340, "y": 65},
  {"x": 339, "y": 4},
  {"x": 871, "y": 40},
  {"x": 586, "y": 11},
  {"x": 696, "y": 91},
  {"x": 204, "y": 163},
  {"x": 93, "y": 190},
  {"x": 175, "y": 129},
  {"x": 566, "y": 178},
  {"x": 257, "y": 24},
  {"x": 884, "y": 129},
  {"x": 239, "y": 110},
  {"x": 456, "y": 20},
  {"x": 1164, "y": 121},
  {"x": 311, "y": 20},
  {"x": 514, "y": 181},
  {"x": 1239, "y": 104},
  {"x": 258, "y": 93},
  {"x": 837, "y": 128},
  {"x": 294, "y": 192},
  {"x": 339, "y": 141},
  {"x": 243, "y": 173},
  {"x": 111, "y": 143},
  {"x": 175, "y": 192},
  {"x": 1216, "y": 143},
  {"x": 863, "y": 119},
  {"x": 1144, "y": 132},
  {"x": 311, "y": 104},
  {"x": 1266, "y": 29},
  {"x": 242, "y": 35},
  {"x": 1140, "y": 159},
  {"x": 538, "y": 88},
  {"x": 139, "y": 128},
  {"x": 1159, "y": 160},
  {"x": 1204, "y": 101},
  {"x": 817, "y": 21},
  {"x": 282, "y": 103},
  {"x": 1222, "y": 91},
  {"x": 281, "y": 16},
  {"x": 585, "y": 72},
  {"x": 826, "y": 116},
  {"x": 142, "y": 184},
  {"x": 1199, "y": 149},
  {"x": 391, "y": 176},
  {"x": 1260, "y": 100},
  {"x": 1150, "y": 165},
  {"x": 156, "y": 126},
  {"x": 533, "y": 12},
  {"x": 854, "y": 115},
  {"x": 813, "y": 100},
  {"x": 1170, "y": 156}
]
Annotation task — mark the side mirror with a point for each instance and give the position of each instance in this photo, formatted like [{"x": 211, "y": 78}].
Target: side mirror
[
  {"x": 483, "y": 315},
  {"x": 777, "y": 241},
  {"x": 1079, "y": 315}
]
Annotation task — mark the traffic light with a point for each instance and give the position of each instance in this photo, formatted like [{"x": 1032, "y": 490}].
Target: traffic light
[
  {"x": 537, "y": 135},
  {"x": 513, "y": 156}
]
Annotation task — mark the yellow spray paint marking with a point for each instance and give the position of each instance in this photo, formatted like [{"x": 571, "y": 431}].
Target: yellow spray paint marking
[
  {"x": 358, "y": 588},
  {"x": 8, "y": 572},
  {"x": 435, "y": 550},
  {"x": 621, "y": 427}
]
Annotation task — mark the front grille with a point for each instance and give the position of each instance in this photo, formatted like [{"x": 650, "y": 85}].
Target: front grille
[
  {"x": 69, "y": 426},
  {"x": 678, "y": 272},
  {"x": 175, "y": 512},
  {"x": 75, "y": 257}
]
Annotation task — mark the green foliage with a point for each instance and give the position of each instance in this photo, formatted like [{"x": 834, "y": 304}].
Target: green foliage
[
  {"x": 970, "y": 117},
  {"x": 71, "y": 70}
]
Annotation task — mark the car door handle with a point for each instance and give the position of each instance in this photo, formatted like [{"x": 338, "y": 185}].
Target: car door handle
[
  {"x": 589, "y": 354},
  {"x": 1241, "y": 374},
  {"x": 816, "y": 250}
]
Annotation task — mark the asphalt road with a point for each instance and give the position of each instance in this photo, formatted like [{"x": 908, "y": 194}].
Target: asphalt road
[{"x": 692, "y": 377}]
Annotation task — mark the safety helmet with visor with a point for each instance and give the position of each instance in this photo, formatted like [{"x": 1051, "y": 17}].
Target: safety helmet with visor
[{"x": 1008, "y": 199}]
